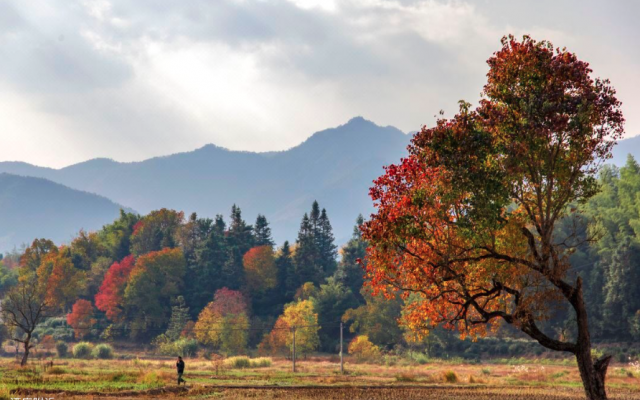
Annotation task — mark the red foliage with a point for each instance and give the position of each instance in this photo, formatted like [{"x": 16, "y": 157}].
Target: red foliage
[
  {"x": 109, "y": 297},
  {"x": 81, "y": 318},
  {"x": 227, "y": 301}
]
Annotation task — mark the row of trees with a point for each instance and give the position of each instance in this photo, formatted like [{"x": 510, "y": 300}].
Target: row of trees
[{"x": 129, "y": 278}]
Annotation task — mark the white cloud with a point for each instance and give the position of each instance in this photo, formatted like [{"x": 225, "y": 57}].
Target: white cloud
[{"x": 131, "y": 80}]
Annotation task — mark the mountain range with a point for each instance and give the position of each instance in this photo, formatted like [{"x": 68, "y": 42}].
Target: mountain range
[{"x": 335, "y": 166}]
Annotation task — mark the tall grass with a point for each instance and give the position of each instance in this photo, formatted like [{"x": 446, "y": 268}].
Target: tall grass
[{"x": 241, "y": 362}]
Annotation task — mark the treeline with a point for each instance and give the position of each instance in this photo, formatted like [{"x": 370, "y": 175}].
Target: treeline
[
  {"x": 186, "y": 283},
  {"x": 167, "y": 280}
]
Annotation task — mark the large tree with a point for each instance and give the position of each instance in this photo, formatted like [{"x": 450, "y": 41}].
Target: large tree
[
  {"x": 467, "y": 220},
  {"x": 24, "y": 307}
]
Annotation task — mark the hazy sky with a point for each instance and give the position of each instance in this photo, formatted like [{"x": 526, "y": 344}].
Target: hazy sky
[{"x": 134, "y": 79}]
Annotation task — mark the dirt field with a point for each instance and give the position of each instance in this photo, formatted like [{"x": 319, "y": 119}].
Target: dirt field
[{"x": 315, "y": 379}]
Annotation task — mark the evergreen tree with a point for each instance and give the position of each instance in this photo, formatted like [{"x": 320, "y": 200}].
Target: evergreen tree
[
  {"x": 306, "y": 255},
  {"x": 287, "y": 279},
  {"x": 315, "y": 256},
  {"x": 621, "y": 292},
  {"x": 262, "y": 232},
  {"x": 204, "y": 276},
  {"x": 239, "y": 240},
  {"x": 327, "y": 250},
  {"x": 349, "y": 272},
  {"x": 179, "y": 319}
]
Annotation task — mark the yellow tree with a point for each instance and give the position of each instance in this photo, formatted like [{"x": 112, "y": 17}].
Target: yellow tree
[
  {"x": 301, "y": 317},
  {"x": 260, "y": 268}
]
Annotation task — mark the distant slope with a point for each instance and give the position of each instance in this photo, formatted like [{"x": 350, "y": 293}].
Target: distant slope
[
  {"x": 624, "y": 148},
  {"x": 335, "y": 166},
  {"x": 35, "y": 207}
]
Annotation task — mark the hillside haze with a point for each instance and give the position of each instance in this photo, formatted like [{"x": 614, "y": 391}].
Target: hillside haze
[
  {"x": 34, "y": 207},
  {"x": 335, "y": 166}
]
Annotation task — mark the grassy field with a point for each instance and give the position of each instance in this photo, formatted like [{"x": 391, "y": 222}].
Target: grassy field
[{"x": 316, "y": 378}]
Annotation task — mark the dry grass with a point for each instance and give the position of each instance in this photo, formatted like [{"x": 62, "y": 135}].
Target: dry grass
[{"x": 441, "y": 380}]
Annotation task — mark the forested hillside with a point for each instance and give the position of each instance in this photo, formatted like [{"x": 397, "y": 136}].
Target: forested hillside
[{"x": 34, "y": 207}]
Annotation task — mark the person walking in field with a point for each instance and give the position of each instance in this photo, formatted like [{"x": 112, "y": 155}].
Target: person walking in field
[{"x": 180, "y": 367}]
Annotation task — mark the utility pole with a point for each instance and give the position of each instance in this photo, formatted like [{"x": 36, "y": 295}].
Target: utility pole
[
  {"x": 294, "y": 349},
  {"x": 341, "y": 351}
]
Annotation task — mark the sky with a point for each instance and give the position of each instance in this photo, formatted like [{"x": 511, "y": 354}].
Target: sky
[{"x": 130, "y": 80}]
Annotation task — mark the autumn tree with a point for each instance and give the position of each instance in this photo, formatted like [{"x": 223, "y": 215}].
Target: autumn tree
[
  {"x": 110, "y": 296},
  {"x": 467, "y": 220},
  {"x": 300, "y": 316},
  {"x": 81, "y": 318},
  {"x": 156, "y": 231},
  {"x": 260, "y": 269},
  {"x": 156, "y": 278},
  {"x": 63, "y": 281},
  {"x": 223, "y": 324}
]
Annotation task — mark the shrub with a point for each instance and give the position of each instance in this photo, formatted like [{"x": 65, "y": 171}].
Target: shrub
[
  {"x": 56, "y": 371},
  {"x": 62, "y": 349},
  {"x": 103, "y": 352},
  {"x": 181, "y": 347},
  {"x": 450, "y": 377},
  {"x": 405, "y": 378},
  {"x": 363, "y": 349},
  {"x": 262, "y": 362},
  {"x": 82, "y": 350},
  {"x": 238, "y": 362}
]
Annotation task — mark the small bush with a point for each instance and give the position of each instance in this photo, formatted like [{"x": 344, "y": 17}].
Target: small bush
[
  {"x": 450, "y": 377},
  {"x": 486, "y": 371},
  {"x": 405, "y": 378},
  {"x": 238, "y": 362},
  {"x": 56, "y": 371},
  {"x": 62, "y": 349},
  {"x": 103, "y": 352},
  {"x": 363, "y": 349},
  {"x": 262, "y": 362},
  {"x": 82, "y": 350}
]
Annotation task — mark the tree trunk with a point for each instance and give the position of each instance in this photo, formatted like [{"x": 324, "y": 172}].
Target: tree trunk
[
  {"x": 27, "y": 346},
  {"x": 593, "y": 374}
]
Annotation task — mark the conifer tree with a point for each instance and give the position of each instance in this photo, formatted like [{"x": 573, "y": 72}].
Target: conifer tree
[
  {"x": 262, "y": 232},
  {"x": 349, "y": 272},
  {"x": 306, "y": 255},
  {"x": 287, "y": 278},
  {"x": 239, "y": 240},
  {"x": 327, "y": 250},
  {"x": 179, "y": 318}
]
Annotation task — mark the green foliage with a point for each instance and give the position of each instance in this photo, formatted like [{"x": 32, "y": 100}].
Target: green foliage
[
  {"x": 62, "y": 349},
  {"x": 182, "y": 347},
  {"x": 349, "y": 272},
  {"x": 241, "y": 362},
  {"x": 331, "y": 302},
  {"x": 102, "y": 351},
  {"x": 315, "y": 256},
  {"x": 82, "y": 350},
  {"x": 377, "y": 319}
]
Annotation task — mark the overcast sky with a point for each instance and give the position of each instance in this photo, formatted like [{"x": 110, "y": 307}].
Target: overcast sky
[{"x": 134, "y": 79}]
